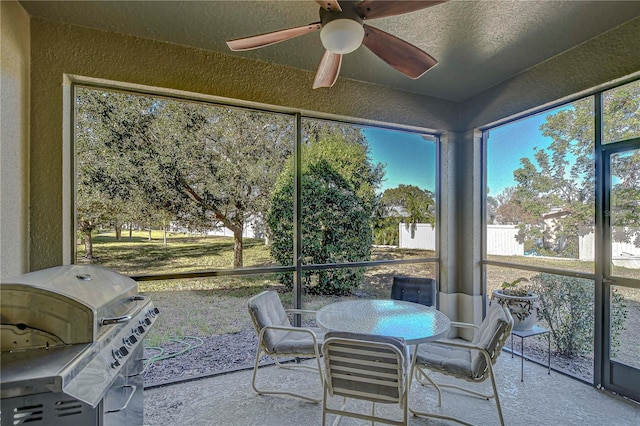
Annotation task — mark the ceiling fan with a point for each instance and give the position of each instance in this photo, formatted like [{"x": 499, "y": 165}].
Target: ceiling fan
[{"x": 342, "y": 31}]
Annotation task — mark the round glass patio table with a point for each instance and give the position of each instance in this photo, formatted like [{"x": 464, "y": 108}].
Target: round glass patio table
[{"x": 413, "y": 322}]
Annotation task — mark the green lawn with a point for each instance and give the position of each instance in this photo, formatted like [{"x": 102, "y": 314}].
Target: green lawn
[{"x": 182, "y": 253}]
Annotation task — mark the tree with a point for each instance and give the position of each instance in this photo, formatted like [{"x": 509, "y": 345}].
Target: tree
[
  {"x": 406, "y": 204},
  {"x": 106, "y": 191},
  {"x": 338, "y": 198},
  {"x": 507, "y": 210},
  {"x": 561, "y": 178},
  {"x": 206, "y": 166},
  {"x": 625, "y": 198},
  {"x": 92, "y": 210}
]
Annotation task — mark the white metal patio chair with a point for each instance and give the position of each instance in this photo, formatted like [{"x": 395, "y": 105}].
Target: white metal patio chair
[
  {"x": 471, "y": 361},
  {"x": 365, "y": 367},
  {"x": 278, "y": 338}
]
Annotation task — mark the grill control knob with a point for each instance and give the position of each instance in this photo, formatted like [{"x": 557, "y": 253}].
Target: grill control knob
[
  {"x": 156, "y": 311},
  {"x": 115, "y": 364},
  {"x": 132, "y": 339},
  {"x": 147, "y": 321},
  {"x": 124, "y": 351},
  {"x": 140, "y": 329},
  {"x": 116, "y": 354}
]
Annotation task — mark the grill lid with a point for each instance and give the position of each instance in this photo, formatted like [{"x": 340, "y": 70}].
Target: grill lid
[{"x": 73, "y": 304}]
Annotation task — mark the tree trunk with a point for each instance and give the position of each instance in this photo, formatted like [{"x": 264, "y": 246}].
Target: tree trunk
[
  {"x": 164, "y": 235},
  {"x": 130, "y": 231},
  {"x": 118, "y": 227},
  {"x": 149, "y": 233},
  {"x": 237, "y": 248},
  {"x": 88, "y": 244}
]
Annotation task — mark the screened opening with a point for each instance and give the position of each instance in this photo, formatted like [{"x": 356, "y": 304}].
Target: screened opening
[
  {"x": 540, "y": 189},
  {"x": 543, "y": 235},
  {"x": 197, "y": 201}
]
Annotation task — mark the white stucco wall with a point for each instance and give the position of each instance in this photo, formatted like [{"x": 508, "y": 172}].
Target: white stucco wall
[{"x": 14, "y": 139}]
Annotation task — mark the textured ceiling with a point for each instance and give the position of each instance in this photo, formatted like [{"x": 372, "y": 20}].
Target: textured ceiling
[{"x": 478, "y": 44}]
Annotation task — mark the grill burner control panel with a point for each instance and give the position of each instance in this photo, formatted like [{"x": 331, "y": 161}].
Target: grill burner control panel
[
  {"x": 113, "y": 354},
  {"x": 127, "y": 339},
  {"x": 132, "y": 336}
]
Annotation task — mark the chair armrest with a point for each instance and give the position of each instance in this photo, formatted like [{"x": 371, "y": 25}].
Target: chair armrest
[
  {"x": 284, "y": 328},
  {"x": 465, "y": 345},
  {"x": 300, "y": 311},
  {"x": 464, "y": 325},
  {"x": 470, "y": 346},
  {"x": 293, "y": 329}
]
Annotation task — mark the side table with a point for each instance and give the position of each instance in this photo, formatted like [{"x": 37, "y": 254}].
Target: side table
[{"x": 522, "y": 334}]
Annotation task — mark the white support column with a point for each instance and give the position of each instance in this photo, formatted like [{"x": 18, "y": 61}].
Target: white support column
[{"x": 461, "y": 227}]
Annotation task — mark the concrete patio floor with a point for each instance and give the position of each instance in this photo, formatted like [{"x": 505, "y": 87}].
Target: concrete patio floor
[{"x": 541, "y": 399}]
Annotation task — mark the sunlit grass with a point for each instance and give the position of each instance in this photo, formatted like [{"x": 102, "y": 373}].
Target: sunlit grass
[
  {"x": 575, "y": 265},
  {"x": 547, "y": 262},
  {"x": 140, "y": 256}
]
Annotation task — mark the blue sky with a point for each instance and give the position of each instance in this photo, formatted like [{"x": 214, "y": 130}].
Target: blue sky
[
  {"x": 408, "y": 158},
  {"x": 411, "y": 160},
  {"x": 509, "y": 143}
]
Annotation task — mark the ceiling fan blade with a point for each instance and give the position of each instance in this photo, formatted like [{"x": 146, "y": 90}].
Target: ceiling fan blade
[
  {"x": 262, "y": 40},
  {"x": 328, "y": 70},
  {"x": 372, "y": 9},
  {"x": 401, "y": 55},
  {"x": 330, "y": 5}
]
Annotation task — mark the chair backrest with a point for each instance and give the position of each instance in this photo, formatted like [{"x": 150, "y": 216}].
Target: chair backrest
[
  {"x": 418, "y": 290},
  {"x": 491, "y": 336},
  {"x": 267, "y": 310},
  {"x": 368, "y": 367}
]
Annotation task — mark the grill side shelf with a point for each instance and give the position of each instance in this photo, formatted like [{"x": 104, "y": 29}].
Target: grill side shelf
[{"x": 35, "y": 371}]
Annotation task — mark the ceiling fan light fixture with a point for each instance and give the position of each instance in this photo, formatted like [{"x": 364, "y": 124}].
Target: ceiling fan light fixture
[{"x": 342, "y": 36}]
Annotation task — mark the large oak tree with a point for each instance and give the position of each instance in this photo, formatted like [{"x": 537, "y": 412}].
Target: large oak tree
[{"x": 204, "y": 165}]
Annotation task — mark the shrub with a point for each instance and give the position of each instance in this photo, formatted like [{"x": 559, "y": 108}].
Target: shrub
[
  {"x": 567, "y": 307},
  {"x": 335, "y": 226}
]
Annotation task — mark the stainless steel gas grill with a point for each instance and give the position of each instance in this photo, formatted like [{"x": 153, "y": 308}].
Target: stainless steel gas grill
[{"x": 72, "y": 349}]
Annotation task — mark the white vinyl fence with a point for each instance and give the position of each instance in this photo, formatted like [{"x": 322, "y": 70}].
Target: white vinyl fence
[
  {"x": 622, "y": 253},
  {"x": 422, "y": 237},
  {"x": 500, "y": 239}
]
